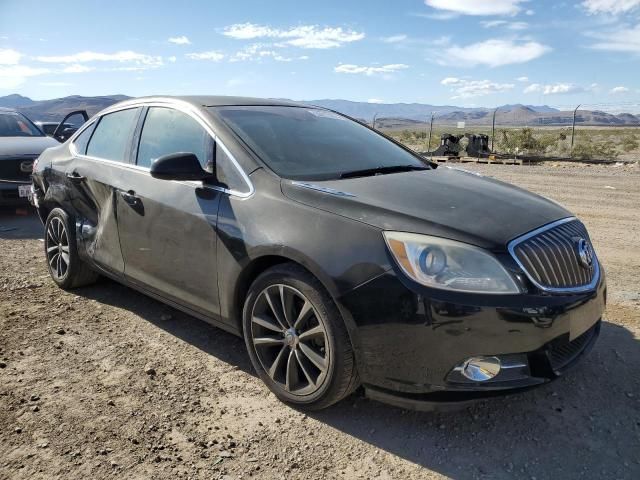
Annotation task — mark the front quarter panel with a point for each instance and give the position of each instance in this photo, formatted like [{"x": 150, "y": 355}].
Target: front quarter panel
[{"x": 340, "y": 252}]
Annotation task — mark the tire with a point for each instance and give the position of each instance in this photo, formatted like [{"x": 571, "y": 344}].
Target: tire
[
  {"x": 65, "y": 266},
  {"x": 315, "y": 337}
]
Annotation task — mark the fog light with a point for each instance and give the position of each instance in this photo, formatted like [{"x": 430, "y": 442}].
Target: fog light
[{"x": 481, "y": 369}]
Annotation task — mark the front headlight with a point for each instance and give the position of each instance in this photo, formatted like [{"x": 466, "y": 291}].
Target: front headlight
[{"x": 449, "y": 265}]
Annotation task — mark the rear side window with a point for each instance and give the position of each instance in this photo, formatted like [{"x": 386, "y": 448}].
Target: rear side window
[
  {"x": 112, "y": 136},
  {"x": 82, "y": 140},
  {"x": 168, "y": 131}
]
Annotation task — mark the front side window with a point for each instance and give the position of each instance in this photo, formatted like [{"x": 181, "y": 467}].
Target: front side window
[
  {"x": 167, "y": 131},
  {"x": 14, "y": 124},
  {"x": 112, "y": 136},
  {"x": 311, "y": 143}
]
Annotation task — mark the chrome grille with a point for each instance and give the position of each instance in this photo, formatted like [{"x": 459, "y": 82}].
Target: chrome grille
[
  {"x": 550, "y": 256},
  {"x": 13, "y": 169}
]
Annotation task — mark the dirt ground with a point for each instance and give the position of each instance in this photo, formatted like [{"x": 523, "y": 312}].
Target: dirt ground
[{"x": 77, "y": 401}]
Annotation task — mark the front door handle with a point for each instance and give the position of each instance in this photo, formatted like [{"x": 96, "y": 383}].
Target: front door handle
[
  {"x": 75, "y": 177},
  {"x": 130, "y": 197}
]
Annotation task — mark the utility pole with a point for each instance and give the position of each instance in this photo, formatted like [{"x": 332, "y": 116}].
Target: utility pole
[
  {"x": 493, "y": 128},
  {"x": 573, "y": 130},
  {"x": 429, "y": 142}
]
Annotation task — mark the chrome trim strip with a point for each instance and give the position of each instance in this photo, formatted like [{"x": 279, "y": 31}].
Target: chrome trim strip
[
  {"x": 183, "y": 107},
  {"x": 583, "y": 288},
  {"x": 319, "y": 188}
]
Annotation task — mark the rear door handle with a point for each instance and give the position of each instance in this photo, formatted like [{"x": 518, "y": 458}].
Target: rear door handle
[
  {"x": 75, "y": 177},
  {"x": 130, "y": 197}
]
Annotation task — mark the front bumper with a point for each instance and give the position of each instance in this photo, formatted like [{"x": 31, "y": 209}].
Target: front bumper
[
  {"x": 9, "y": 196},
  {"x": 409, "y": 340}
]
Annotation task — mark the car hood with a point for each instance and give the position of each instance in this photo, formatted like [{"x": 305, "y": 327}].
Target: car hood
[
  {"x": 10, "y": 146},
  {"x": 445, "y": 202}
]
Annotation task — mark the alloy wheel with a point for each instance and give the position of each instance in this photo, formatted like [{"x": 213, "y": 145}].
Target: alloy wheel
[
  {"x": 290, "y": 340},
  {"x": 57, "y": 245}
]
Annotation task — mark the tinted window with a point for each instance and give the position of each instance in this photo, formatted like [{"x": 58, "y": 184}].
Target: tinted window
[
  {"x": 167, "y": 131},
  {"x": 13, "y": 124},
  {"x": 112, "y": 135},
  {"x": 312, "y": 143},
  {"x": 82, "y": 140}
]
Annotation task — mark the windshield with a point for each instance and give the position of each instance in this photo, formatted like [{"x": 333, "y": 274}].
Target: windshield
[
  {"x": 309, "y": 143},
  {"x": 13, "y": 124}
]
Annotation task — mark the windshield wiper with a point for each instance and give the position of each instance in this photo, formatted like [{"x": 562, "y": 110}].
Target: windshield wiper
[{"x": 369, "y": 172}]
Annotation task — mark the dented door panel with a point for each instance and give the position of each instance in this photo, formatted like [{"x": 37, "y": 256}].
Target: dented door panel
[{"x": 85, "y": 188}]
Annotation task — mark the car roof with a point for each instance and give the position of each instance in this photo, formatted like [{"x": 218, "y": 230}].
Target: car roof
[{"x": 201, "y": 101}]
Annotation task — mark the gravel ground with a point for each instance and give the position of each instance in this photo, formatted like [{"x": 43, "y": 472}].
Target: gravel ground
[{"x": 105, "y": 382}]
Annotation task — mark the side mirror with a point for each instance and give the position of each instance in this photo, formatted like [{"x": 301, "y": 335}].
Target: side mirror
[{"x": 179, "y": 166}]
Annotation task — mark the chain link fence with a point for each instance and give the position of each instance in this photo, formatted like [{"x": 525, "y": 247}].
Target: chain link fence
[{"x": 582, "y": 133}]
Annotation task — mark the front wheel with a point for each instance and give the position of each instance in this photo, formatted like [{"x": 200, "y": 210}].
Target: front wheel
[{"x": 297, "y": 340}]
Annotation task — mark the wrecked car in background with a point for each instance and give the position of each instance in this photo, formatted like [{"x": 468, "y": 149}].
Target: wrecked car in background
[{"x": 21, "y": 142}]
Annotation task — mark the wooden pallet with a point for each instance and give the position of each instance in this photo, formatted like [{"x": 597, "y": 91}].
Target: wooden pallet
[{"x": 497, "y": 161}]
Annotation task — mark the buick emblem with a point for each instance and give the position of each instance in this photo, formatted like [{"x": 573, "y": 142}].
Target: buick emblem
[
  {"x": 585, "y": 253},
  {"x": 26, "y": 166}
]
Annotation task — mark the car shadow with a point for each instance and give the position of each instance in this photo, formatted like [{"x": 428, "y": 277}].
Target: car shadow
[
  {"x": 20, "y": 224},
  {"x": 585, "y": 424},
  {"x": 211, "y": 340}
]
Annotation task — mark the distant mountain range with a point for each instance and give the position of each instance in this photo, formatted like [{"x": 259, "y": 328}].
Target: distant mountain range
[
  {"x": 391, "y": 115},
  {"x": 57, "y": 108}
]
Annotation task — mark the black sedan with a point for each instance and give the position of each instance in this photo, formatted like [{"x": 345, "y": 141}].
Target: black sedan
[
  {"x": 20, "y": 144},
  {"x": 343, "y": 258}
]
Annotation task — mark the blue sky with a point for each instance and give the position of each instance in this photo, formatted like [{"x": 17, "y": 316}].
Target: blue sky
[{"x": 462, "y": 52}]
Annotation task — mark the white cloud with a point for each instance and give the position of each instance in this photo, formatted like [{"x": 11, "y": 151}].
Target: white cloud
[
  {"x": 12, "y": 76},
  {"x": 88, "y": 56},
  {"x": 9, "y": 57},
  {"x": 181, "y": 40},
  {"x": 56, "y": 84},
  {"x": 375, "y": 100},
  {"x": 172, "y": 59},
  {"x": 463, "y": 88},
  {"x": 212, "y": 56},
  {"x": 619, "y": 40},
  {"x": 493, "y": 53},
  {"x": 620, "y": 89},
  {"x": 505, "y": 24},
  {"x": 450, "y": 81},
  {"x": 522, "y": 79},
  {"x": 477, "y": 7},
  {"x": 304, "y": 36},
  {"x": 394, "y": 38},
  {"x": 77, "y": 68},
  {"x": 261, "y": 51},
  {"x": 613, "y": 7},
  {"x": 357, "y": 69},
  {"x": 555, "y": 88}
]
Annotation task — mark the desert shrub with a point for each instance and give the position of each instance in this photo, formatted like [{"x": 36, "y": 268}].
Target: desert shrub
[
  {"x": 630, "y": 143},
  {"x": 522, "y": 141},
  {"x": 420, "y": 135},
  {"x": 588, "y": 150}
]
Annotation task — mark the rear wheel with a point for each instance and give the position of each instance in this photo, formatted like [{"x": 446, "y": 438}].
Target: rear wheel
[
  {"x": 297, "y": 339},
  {"x": 65, "y": 266}
]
